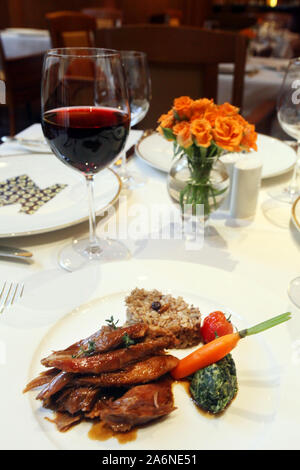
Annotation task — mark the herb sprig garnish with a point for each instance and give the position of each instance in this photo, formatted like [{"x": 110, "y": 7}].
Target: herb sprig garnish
[
  {"x": 86, "y": 352},
  {"x": 111, "y": 322},
  {"x": 127, "y": 341}
]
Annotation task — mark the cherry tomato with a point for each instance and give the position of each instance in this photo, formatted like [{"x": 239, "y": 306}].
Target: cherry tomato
[{"x": 215, "y": 324}]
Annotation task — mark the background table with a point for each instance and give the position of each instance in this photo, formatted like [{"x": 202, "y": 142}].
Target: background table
[
  {"x": 258, "y": 87},
  {"x": 17, "y": 44}
]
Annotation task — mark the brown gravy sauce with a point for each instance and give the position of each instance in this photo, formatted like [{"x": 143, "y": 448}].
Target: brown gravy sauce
[
  {"x": 100, "y": 432},
  {"x": 186, "y": 385}
]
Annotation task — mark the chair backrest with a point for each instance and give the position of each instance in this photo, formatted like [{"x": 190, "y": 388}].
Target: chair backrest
[
  {"x": 182, "y": 61},
  {"x": 71, "y": 29},
  {"x": 105, "y": 17}
]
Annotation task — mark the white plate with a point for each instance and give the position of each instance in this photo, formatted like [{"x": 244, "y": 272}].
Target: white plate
[
  {"x": 67, "y": 208},
  {"x": 250, "y": 421},
  {"x": 276, "y": 156},
  {"x": 296, "y": 213}
]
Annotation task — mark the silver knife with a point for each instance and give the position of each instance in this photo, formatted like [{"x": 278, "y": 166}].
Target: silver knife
[
  {"x": 12, "y": 252},
  {"x": 18, "y": 140}
]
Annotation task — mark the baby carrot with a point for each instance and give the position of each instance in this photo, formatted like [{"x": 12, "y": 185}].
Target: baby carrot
[{"x": 220, "y": 347}]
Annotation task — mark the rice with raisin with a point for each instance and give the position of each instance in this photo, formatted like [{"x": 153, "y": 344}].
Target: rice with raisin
[{"x": 164, "y": 311}]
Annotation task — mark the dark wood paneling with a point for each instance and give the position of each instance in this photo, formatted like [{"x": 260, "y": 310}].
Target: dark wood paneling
[
  {"x": 31, "y": 13},
  {"x": 4, "y": 16}
]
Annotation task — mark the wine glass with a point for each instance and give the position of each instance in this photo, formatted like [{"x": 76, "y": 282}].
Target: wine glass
[
  {"x": 86, "y": 121},
  {"x": 139, "y": 91},
  {"x": 294, "y": 291},
  {"x": 288, "y": 113}
]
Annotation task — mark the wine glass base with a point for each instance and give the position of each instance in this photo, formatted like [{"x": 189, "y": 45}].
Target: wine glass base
[
  {"x": 284, "y": 195},
  {"x": 132, "y": 180},
  {"x": 78, "y": 254},
  {"x": 294, "y": 291}
]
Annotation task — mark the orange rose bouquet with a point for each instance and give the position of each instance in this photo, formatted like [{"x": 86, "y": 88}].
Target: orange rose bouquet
[{"x": 201, "y": 131}]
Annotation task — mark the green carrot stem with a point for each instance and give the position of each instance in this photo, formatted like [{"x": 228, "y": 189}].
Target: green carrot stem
[{"x": 265, "y": 325}]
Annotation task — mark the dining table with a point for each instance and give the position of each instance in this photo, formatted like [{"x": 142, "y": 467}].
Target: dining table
[
  {"x": 22, "y": 42},
  {"x": 263, "y": 79},
  {"x": 245, "y": 266}
]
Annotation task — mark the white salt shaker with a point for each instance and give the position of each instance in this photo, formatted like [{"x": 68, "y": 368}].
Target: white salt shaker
[
  {"x": 229, "y": 160},
  {"x": 246, "y": 181}
]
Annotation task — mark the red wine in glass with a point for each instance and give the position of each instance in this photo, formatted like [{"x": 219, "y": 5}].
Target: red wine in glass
[
  {"x": 86, "y": 121},
  {"x": 86, "y": 137}
]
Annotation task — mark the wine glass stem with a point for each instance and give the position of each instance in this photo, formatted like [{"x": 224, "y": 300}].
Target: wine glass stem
[
  {"x": 92, "y": 214},
  {"x": 293, "y": 186},
  {"x": 124, "y": 165}
]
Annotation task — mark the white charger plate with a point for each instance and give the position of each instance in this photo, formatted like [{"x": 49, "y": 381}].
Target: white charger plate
[
  {"x": 67, "y": 208},
  {"x": 296, "y": 213},
  {"x": 276, "y": 156},
  {"x": 36, "y": 147},
  {"x": 255, "y": 419}
]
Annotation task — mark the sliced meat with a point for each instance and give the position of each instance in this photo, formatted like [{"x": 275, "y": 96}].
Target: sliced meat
[
  {"x": 138, "y": 406},
  {"x": 55, "y": 385},
  {"x": 96, "y": 410},
  {"x": 109, "y": 361},
  {"x": 75, "y": 400},
  {"x": 42, "y": 379},
  {"x": 106, "y": 339},
  {"x": 64, "y": 421},
  {"x": 139, "y": 373}
]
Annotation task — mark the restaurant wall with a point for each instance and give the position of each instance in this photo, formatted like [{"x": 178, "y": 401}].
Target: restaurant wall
[
  {"x": 4, "y": 17},
  {"x": 31, "y": 13}
]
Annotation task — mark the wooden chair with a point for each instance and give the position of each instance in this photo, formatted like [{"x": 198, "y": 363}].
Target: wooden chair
[
  {"x": 105, "y": 17},
  {"x": 71, "y": 29},
  {"x": 22, "y": 76},
  {"x": 182, "y": 61}
]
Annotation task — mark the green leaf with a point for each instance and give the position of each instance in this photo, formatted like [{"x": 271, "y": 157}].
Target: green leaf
[
  {"x": 127, "y": 340},
  {"x": 168, "y": 134},
  {"x": 111, "y": 322}
]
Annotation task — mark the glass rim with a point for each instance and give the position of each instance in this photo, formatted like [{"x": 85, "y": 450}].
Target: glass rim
[{"x": 75, "y": 52}]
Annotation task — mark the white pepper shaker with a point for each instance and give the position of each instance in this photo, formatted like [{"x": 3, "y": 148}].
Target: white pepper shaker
[
  {"x": 246, "y": 183},
  {"x": 229, "y": 160}
]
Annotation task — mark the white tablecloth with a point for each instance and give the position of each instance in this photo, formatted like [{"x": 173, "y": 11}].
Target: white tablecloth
[
  {"x": 265, "y": 250},
  {"x": 259, "y": 87},
  {"x": 17, "y": 44}
]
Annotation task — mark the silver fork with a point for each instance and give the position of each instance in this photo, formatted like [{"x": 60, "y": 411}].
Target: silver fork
[{"x": 9, "y": 294}]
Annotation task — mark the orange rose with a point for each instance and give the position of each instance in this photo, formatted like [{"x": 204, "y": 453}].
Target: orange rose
[
  {"x": 201, "y": 130},
  {"x": 167, "y": 121},
  {"x": 182, "y": 130},
  {"x": 200, "y": 107},
  {"x": 227, "y": 109},
  {"x": 183, "y": 107},
  {"x": 249, "y": 138},
  {"x": 228, "y": 133},
  {"x": 163, "y": 117},
  {"x": 211, "y": 115}
]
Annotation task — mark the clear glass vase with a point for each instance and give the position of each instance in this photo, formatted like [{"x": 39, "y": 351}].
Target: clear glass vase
[{"x": 214, "y": 175}]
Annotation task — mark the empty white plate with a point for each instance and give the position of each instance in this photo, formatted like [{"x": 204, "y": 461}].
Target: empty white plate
[{"x": 276, "y": 156}]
